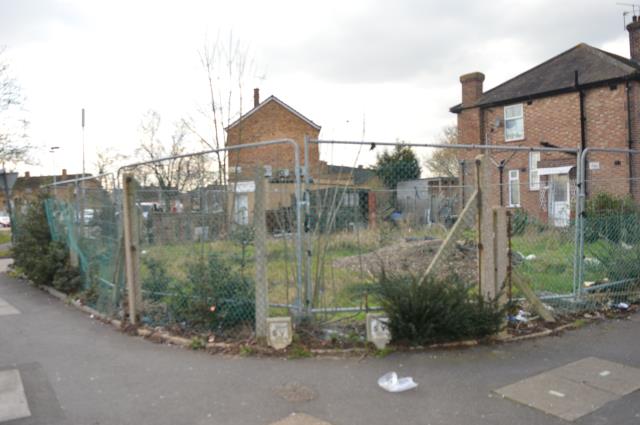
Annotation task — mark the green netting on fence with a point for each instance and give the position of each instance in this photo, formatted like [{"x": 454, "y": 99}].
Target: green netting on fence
[{"x": 91, "y": 231}]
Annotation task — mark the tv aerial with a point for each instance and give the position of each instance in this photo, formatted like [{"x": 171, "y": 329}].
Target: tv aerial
[{"x": 635, "y": 11}]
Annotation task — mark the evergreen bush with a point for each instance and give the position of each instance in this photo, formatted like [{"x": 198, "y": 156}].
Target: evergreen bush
[
  {"x": 436, "y": 310},
  {"x": 42, "y": 260}
]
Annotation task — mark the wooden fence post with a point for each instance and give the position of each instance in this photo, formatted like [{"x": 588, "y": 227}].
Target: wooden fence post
[
  {"x": 260, "y": 245},
  {"x": 131, "y": 241}
]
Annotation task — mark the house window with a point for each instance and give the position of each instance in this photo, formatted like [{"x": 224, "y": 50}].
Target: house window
[
  {"x": 514, "y": 188},
  {"x": 513, "y": 122},
  {"x": 534, "y": 176},
  {"x": 350, "y": 199}
]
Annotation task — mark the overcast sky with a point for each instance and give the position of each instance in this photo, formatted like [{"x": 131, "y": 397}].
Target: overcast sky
[{"x": 396, "y": 63}]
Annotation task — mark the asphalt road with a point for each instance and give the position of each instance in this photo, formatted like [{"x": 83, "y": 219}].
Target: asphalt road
[{"x": 79, "y": 371}]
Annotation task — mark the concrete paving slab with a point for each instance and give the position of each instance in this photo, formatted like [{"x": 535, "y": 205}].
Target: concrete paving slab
[
  {"x": 557, "y": 396},
  {"x": 7, "y": 309},
  {"x": 13, "y": 401},
  {"x": 300, "y": 419},
  {"x": 613, "y": 377}
]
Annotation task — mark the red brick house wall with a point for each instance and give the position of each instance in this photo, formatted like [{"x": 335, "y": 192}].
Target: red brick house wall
[
  {"x": 271, "y": 121},
  {"x": 612, "y": 120}
]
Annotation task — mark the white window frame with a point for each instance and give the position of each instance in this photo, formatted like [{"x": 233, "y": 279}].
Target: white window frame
[
  {"x": 517, "y": 117},
  {"x": 534, "y": 176},
  {"x": 514, "y": 178}
]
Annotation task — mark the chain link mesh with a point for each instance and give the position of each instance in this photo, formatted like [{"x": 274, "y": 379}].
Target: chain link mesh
[
  {"x": 85, "y": 216},
  {"x": 199, "y": 248}
]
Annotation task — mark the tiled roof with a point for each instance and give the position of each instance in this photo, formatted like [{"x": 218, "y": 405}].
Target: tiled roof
[
  {"x": 281, "y": 103},
  {"x": 594, "y": 66}
]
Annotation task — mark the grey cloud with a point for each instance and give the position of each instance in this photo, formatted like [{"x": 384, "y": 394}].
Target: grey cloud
[
  {"x": 29, "y": 20},
  {"x": 394, "y": 41}
]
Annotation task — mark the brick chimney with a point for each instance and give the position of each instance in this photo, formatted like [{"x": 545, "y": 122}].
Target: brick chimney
[
  {"x": 64, "y": 172},
  {"x": 634, "y": 38},
  {"x": 27, "y": 174},
  {"x": 256, "y": 97},
  {"x": 471, "y": 88}
]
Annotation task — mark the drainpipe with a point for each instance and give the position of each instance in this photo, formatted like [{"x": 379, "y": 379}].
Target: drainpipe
[
  {"x": 630, "y": 137},
  {"x": 583, "y": 120},
  {"x": 462, "y": 171},
  {"x": 501, "y": 172}
]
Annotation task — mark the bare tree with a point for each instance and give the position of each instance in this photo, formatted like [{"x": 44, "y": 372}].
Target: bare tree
[
  {"x": 14, "y": 142},
  {"x": 226, "y": 64},
  {"x": 108, "y": 159},
  {"x": 172, "y": 175},
  {"x": 444, "y": 162}
]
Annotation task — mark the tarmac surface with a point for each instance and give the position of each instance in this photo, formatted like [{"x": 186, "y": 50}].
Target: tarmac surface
[{"x": 75, "y": 370}]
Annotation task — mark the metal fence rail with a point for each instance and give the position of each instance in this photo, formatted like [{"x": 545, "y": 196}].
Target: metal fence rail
[{"x": 217, "y": 255}]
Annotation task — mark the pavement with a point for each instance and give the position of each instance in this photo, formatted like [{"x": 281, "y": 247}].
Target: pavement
[{"x": 74, "y": 370}]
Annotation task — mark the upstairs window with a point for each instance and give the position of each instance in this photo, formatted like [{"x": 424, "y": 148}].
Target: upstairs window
[{"x": 513, "y": 122}]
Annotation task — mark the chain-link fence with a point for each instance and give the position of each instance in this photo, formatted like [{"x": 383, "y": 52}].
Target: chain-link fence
[
  {"x": 216, "y": 250},
  {"x": 609, "y": 243},
  {"x": 363, "y": 221},
  {"x": 219, "y": 240},
  {"x": 84, "y": 214}
]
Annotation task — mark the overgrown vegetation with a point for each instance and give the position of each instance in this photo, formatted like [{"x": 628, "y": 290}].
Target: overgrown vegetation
[
  {"x": 617, "y": 262},
  {"x": 436, "y": 310},
  {"x": 521, "y": 222},
  {"x": 244, "y": 236},
  {"x": 42, "y": 260},
  {"x": 156, "y": 281},
  {"x": 211, "y": 296},
  {"x": 612, "y": 218},
  {"x": 5, "y": 237}
]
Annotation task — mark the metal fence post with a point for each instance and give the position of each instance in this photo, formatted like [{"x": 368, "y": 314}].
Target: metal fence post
[
  {"x": 577, "y": 261},
  {"x": 260, "y": 245},
  {"x": 308, "y": 254},
  {"x": 131, "y": 242}
]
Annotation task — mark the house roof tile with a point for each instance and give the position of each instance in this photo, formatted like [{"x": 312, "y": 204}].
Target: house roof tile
[
  {"x": 281, "y": 103},
  {"x": 594, "y": 66}
]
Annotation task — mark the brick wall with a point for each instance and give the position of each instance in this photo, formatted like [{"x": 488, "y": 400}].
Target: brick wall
[
  {"x": 556, "y": 121},
  {"x": 606, "y": 112},
  {"x": 271, "y": 121}
]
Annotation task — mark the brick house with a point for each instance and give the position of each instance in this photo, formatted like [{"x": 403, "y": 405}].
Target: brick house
[
  {"x": 583, "y": 97},
  {"x": 27, "y": 187},
  {"x": 268, "y": 120}
]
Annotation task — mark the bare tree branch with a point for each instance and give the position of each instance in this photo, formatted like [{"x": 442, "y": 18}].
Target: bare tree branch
[
  {"x": 443, "y": 162},
  {"x": 14, "y": 142}
]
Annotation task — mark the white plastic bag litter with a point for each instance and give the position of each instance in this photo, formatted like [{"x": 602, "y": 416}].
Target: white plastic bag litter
[{"x": 390, "y": 382}]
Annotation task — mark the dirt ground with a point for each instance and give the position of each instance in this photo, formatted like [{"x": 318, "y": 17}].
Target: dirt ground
[{"x": 414, "y": 257}]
